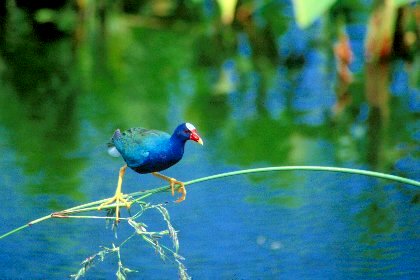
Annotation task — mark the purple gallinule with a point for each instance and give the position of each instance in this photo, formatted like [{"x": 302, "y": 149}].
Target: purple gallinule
[{"x": 150, "y": 151}]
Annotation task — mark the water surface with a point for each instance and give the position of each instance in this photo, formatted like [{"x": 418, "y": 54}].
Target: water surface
[{"x": 61, "y": 101}]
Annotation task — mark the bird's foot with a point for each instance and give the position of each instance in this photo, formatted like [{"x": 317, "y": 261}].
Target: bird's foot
[
  {"x": 118, "y": 198},
  {"x": 173, "y": 182},
  {"x": 181, "y": 189}
]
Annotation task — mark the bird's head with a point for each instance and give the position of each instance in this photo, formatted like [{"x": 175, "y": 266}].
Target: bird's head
[{"x": 187, "y": 131}]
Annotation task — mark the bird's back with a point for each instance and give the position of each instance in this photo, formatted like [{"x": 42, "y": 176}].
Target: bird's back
[{"x": 142, "y": 148}]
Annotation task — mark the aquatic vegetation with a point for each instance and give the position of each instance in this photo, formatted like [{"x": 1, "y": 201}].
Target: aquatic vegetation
[{"x": 151, "y": 238}]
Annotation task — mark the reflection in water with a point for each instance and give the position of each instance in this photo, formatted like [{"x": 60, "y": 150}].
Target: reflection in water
[
  {"x": 40, "y": 90},
  {"x": 381, "y": 227},
  {"x": 375, "y": 135},
  {"x": 344, "y": 57},
  {"x": 376, "y": 219},
  {"x": 260, "y": 98},
  {"x": 377, "y": 83}
]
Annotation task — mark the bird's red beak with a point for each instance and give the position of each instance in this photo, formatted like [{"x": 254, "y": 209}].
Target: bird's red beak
[{"x": 195, "y": 137}]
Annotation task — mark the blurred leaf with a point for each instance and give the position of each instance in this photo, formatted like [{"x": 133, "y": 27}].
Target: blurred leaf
[
  {"x": 307, "y": 11},
  {"x": 398, "y": 3},
  {"x": 380, "y": 31},
  {"x": 45, "y": 15},
  {"x": 227, "y": 9},
  {"x": 65, "y": 19}
]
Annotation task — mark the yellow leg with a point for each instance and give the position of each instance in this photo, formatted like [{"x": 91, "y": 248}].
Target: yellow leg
[
  {"x": 118, "y": 197},
  {"x": 173, "y": 182}
]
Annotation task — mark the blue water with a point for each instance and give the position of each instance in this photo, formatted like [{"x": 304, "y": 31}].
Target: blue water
[
  {"x": 350, "y": 228},
  {"x": 59, "y": 107}
]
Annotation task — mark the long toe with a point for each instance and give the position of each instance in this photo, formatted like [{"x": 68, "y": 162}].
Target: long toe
[
  {"x": 184, "y": 194},
  {"x": 126, "y": 202},
  {"x": 172, "y": 183},
  {"x": 116, "y": 199}
]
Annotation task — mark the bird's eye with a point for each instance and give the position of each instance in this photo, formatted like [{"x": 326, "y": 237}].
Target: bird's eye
[{"x": 186, "y": 131}]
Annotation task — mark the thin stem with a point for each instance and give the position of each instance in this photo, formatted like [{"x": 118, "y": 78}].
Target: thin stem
[
  {"x": 25, "y": 226},
  {"x": 128, "y": 238},
  {"x": 91, "y": 217},
  {"x": 286, "y": 168},
  {"x": 310, "y": 168},
  {"x": 86, "y": 209},
  {"x": 138, "y": 196}
]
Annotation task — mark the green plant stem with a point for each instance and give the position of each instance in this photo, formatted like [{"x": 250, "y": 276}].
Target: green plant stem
[
  {"x": 310, "y": 168},
  {"x": 139, "y": 196},
  {"x": 285, "y": 168},
  {"x": 92, "y": 217},
  {"x": 26, "y": 225}
]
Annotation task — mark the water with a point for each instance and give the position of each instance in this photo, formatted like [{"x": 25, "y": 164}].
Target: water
[{"x": 61, "y": 101}]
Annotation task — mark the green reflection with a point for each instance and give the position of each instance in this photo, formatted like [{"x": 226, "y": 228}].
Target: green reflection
[
  {"x": 282, "y": 201},
  {"x": 131, "y": 82},
  {"x": 376, "y": 220},
  {"x": 39, "y": 96},
  {"x": 378, "y": 223},
  {"x": 124, "y": 73}
]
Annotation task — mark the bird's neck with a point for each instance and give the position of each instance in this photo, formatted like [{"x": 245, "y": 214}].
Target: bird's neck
[{"x": 177, "y": 144}]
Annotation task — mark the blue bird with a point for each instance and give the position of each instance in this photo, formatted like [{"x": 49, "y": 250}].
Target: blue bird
[{"x": 150, "y": 151}]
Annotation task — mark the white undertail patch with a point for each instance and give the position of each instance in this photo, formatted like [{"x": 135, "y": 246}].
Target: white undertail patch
[{"x": 112, "y": 151}]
